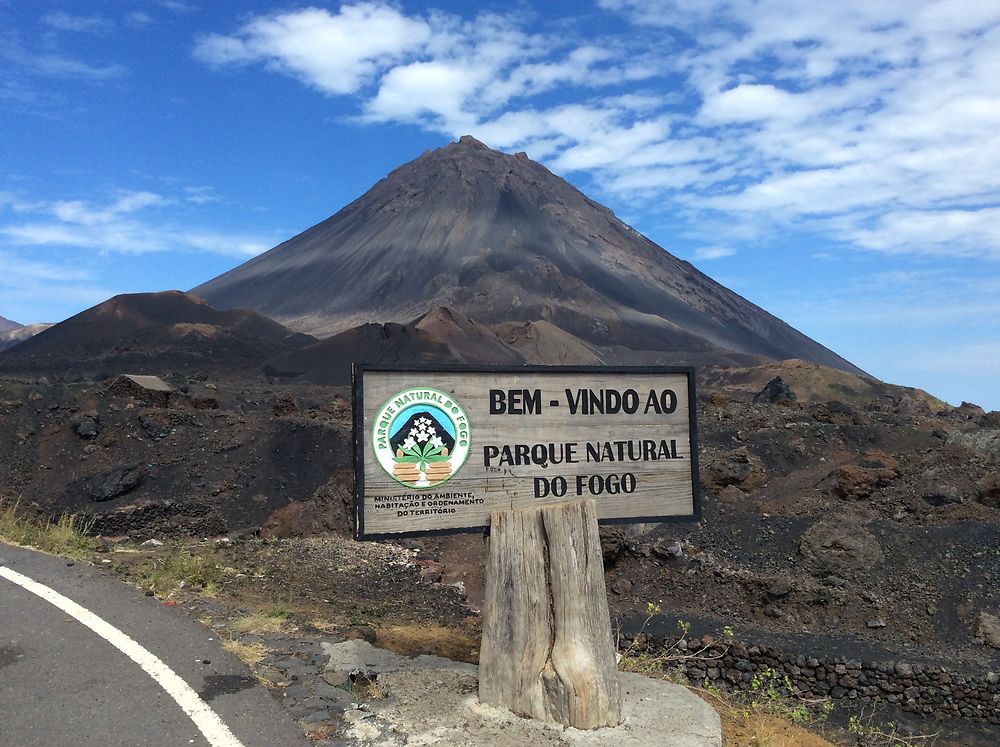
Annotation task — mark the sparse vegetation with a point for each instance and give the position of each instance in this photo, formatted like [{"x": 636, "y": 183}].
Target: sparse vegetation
[
  {"x": 770, "y": 713},
  {"x": 867, "y": 733},
  {"x": 636, "y": 659},
  {"x": 260, "y": 623},
  {"x": 279, "y": 610},
  {"x": 252, "y": 654},
  {"x": 365, "y": 687},
  {"x": 772, "y": 692},
  {"x": 196, "y": 567},
  {"x": 66, "y": 536},
  {"x": 761, "y": 713}
]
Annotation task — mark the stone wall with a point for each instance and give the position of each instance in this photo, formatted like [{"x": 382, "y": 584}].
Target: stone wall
[{"x": 918, "y": 688}]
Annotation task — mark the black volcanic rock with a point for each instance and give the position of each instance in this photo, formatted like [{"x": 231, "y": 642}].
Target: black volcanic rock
[
  {"x": 171, "y": 329},
  {"x": 499, "y": 239},
  {"x": 776, "y": 390}
]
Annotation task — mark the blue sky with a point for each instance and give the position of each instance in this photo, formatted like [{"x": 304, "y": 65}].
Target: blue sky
[{"x": 835, "y": 163}]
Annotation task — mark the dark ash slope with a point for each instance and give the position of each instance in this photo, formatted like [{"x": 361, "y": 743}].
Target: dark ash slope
[{"x": 500, "y": 239}]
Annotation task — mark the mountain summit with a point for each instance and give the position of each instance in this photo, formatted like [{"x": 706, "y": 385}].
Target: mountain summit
[{"x": 501, "y": 240}]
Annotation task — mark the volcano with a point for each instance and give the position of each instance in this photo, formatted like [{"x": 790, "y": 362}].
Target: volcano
[{"x": 500, "y": 240}]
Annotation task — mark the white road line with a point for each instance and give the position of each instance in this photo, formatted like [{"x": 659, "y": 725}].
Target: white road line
[{"x": 215, "y": 731}]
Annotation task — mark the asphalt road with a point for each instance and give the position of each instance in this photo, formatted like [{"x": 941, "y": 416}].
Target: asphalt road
[{"x": 63, "y": 684}]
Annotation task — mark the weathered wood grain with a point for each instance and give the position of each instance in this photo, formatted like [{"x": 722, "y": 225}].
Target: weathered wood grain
[{"x": 547, "y": 651}]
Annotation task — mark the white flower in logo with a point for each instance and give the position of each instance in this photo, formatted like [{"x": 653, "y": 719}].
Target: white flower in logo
[
  {"x": 436, "y": 441},
  {"x": 409, "y": 443}
]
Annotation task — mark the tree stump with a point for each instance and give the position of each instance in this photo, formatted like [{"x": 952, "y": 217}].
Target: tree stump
[{"x": 547, "y": 651}]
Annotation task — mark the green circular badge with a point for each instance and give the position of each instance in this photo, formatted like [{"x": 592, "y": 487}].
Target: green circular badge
[{"x": 421, "y": 437}]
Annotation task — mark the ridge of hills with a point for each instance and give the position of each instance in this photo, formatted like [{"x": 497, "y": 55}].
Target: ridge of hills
[
  {"x": 8, "y": 325},
  {"x": 169, "y": 328},
  {"x": 11, "y": 333},
  {"x": 16, "y": 333},
  {"x": 500, "y": 240}
]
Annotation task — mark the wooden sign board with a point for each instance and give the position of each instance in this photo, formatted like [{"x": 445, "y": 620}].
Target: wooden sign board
[{"x": 437, "y": 450}]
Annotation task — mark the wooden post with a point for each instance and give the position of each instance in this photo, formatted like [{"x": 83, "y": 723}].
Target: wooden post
[{"x": 547, "y": 651}]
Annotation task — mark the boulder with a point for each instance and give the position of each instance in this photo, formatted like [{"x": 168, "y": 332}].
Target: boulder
[
  {"x": 841, "y": 546},
  {"x": 739, "y": 468},
  {"x": 117, "y": 482},
  {"x": 86, "y": 424},
  {"x": 834, "y": 412},
  {"x": 989, "y": 629},
  {"x": 854, "y": 481},
  {"x": 775, "y": 391},
  {"x": 989, "y": 490},
  {"x": 969, "y": 411},
  {"x": 940, "y": 492}
]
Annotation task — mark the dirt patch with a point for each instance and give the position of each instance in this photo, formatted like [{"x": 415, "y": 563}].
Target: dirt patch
[
  {"x": 457, "y": 644},
  {"x": 766, "y": 731}
]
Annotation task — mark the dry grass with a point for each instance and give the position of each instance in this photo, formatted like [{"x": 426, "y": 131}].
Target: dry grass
[
  {"x": 252, "y": 654},
  {"x": 261, "y": 623},
  {"x": 744, "y": 726},
  {"x": 323, "y": 626},
  {"x": 67, "y": 536},
  {"x": 451, "y": 643}
]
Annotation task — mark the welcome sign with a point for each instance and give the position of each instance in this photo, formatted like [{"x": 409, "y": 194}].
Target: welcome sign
[{"x": 437, "y": 450}]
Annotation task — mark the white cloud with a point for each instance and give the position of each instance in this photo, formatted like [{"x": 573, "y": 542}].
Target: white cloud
[
  {"x": 78, "y": 23},
  {"x": 706, "y": 253},
  {"x": 981, "y": 358},
  {"x": 138, "y": 19},
  {"x": 201, "y": 195},
  {"x": 50, "y": 64},
  {"x": 945, "y": 232},
  {"x": 128, "y": 223},
  {"x": 18, "y": 269},
  {"x": 87, "y": 214},
  {"x": 335, "y": 53},
  {"x": 876, "y": 124},
  {"x": 436, "y": 88},
  {"x": 440, "y": 71},
  {"x": 751, "y": 102},
  {"x": 31, "y": 288}
]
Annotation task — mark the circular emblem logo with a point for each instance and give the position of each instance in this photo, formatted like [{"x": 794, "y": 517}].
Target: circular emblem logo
[{"x": 421, "y": 437}]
